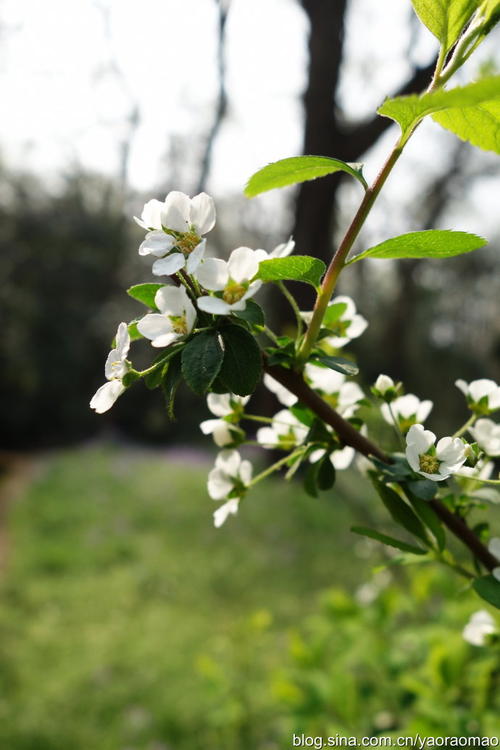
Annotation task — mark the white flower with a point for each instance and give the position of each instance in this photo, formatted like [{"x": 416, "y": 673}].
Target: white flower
[
  {"x": 433, "y": 463},
  {"x": 228, "y": 509},
  {"x": 344, "y": 397},
  {"x": 345, "y": 326},
  {"x": 176, "y": 317},
  {"x": 480, "y": 625},
  {"x": 487, "y": 434},
  {"x": 341, "y": 458},
  {"x": 483, "y": 395},
  {"x": 383, "y": 384},
  {"x": 284, "y": 396},
  {"x": 178, "y": 224},
  {"x": 230, "y": 475},
  {"x": 115, "y": 368},
  {"x": 229, "y": 408},
  {"x": 231, "y": 280},
  {"x": 407, "y": 410},
  {"x": 494, "y": 548},
  {"x": 285, "y": 432}
]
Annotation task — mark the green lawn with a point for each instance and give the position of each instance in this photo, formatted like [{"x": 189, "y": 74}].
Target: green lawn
[{"x": 127, "y": 622}]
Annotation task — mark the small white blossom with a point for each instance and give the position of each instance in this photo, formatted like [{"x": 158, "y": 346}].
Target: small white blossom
[
  {"x": 115, "y": 368},
  {"x": 494, "y": 548},
  {"x": 436, "y": 463},
  {"x": 347, "y": 326},
  {"x": 487, "y": 434},
  {"x": 344, "y": 397},
  {"x": 176, "y": 318},
  {"x": 483, "y": 395},
  {"x": 281, "y": 250},
  {"x": 341, "y": 458},
  {"x": 383, "y": 384},
  {"x": 229, "y": 408},
  {"x": 407, "y": 410},
  {"x": 480, "y": 626},
  {"x": 177, "y": 225},
  {"x": 284, "y": 396},
  {"x": 230, "y": 474},
  {"x": 231, "y": 280},
  {"x": 285, "y": 432}
]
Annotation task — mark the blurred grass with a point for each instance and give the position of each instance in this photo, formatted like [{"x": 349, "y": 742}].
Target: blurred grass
[
  {"x": 127, "y": 622},
  {"x": 119, "y": 591}
]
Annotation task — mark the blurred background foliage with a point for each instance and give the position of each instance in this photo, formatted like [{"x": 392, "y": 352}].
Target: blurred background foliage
[{"x": 126, "y": 620}]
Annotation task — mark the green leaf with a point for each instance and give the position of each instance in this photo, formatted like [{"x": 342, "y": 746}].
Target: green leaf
[
  {"x": 333, "y": 313},
  {"x": 388, "y": 540},
  {"x": 433, "y": 243},
  {"x": 201, "y": 361},
  {"x": 326, "y": 473},
  {"x": 481, "y": 96},
  {"x": 340, "y": 364},
  {"x": 242, "y": 364},
  {"x": 445, "y": 18},
  {"x": 401, "y": 511},
  {"x": 171, "y": 381},
  {"x": 145, "y": 293},
  {"x": 311, "y": 480},
  {"x": 488, "y": 589},
  {"x": 479, "y": 125},
  {"x": 253, "y": 313},
  {"x": 425, "y": 489},
  {"x": 298, "y": 169},
  {"x": 303, "y": 414},
  {"x": 293, "y": 268},
  {"x": 429, "y": 517}
]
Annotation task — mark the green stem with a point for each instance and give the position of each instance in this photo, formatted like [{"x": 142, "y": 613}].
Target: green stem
[
  {"x": 478, "y": 479},
  {"x": 277, "y": 465},
  {"x": 256, "y": 418},
  {"x": 397, "y": 428},
  {"x": 294, "y": 306},
  {"x": 338, "y": 261},
  {"x": 465, "y": 426},
  {"x": 270, "y": 334}
]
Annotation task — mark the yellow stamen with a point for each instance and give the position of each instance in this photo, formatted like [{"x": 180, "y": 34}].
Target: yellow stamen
[
  {"x": 429, "y": 464},
  {"x": 234, "y": 292}
]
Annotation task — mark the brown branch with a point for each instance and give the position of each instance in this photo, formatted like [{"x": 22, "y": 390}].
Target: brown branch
[{"x": 350, "y": 436}]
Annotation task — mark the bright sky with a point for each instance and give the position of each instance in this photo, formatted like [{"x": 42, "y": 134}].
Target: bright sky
[{"x": 65, "y": 104}]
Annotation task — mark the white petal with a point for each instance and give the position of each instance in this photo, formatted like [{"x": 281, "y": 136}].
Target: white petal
[
  {"x": 115, "y": 367},
  {"x": 462, "y": 385},
  {"x": 169, "y": 265},
  {"x": 383, "y": 383},
  {"x": 202, "y": 213},
  {"x": 153, "y": 325},
  {"x": 175, "y": 211},
  {"x": 496, "y": 573},
  {"x": 316, "y": 455},
  {"x": 284, "y": 249},
  {"x": 220, "y": 429},
  {"x": 165, "y": 340},
  {"x": 284, "y": 396},
  {"x": 213, "y": 274},
  {"x": 172, "y": 300},
  {"x": 267, "y": 437},
  {"x": 357, "y": 327},
  {"x": 229, "y": 508},
  {"x": 423, "y": 411},
  {"x": 419, "y": 438},
  {"x": 245, "y": 472},
  {"x": 106, "y": 395},
  {"x": 156, "y": 243},
  {"x": 151, "y": 214},
  {"x": 219, "y": 404},
  {"x": 195, "y": 257},
  {"x": 480, "y": 625},
  {"x": 350, "y": 310},
  {"x": 243, "y": 264},
  {"x": 213, "y": 305},
  {"x": 219, "y": 485},
  {"x": 342, "y": 458},
  {"x": 229, "y": 462},
  {"x": 122, "y": 340},
  {"x": 413, "y": 457}
]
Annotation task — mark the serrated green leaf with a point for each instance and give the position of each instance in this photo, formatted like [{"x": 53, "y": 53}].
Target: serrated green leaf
[
  {"x": 432, "y": 243},
  {"x": 201, "y": 361},
  {"x": 242, "y": 363},
  {"x": 478, "y": 125},
  {"x": 339, "y": 364},
  {"x": 388, "y": 540},
  {"x": 429, "y": 518},
  {"x": 294, "y": 268},
  {"x": 445, "y": 18},
  {"x": 145, "y": 293},
  {"x": 481, "y": 95},
  {"x": 253, "y": 313},
  {"x": 401, "y": 511},
  {"x": 488, "y": 589},
  {"x": 297, "y": 169},
  {"x": 171, "y": 380}
]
